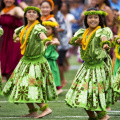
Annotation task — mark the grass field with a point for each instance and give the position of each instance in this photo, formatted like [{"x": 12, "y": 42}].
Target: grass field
[{"x": 10, "y": 111}]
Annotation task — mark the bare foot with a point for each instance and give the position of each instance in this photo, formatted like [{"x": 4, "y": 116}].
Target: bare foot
[
  {"x": 44, "y": 113},
  {"x": 59, "y": 91},
  {"x": 63, "y": 82},
  {"x": 33, "y": 114},
  {"x": 108, "y": 109},
  {"x": 106, "y": 117}
]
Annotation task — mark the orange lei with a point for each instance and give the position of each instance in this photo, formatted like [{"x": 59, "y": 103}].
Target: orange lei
[
  {"x": 86, "y": 41},
  {"x": 102, "y": 7},
  {"x": 23, "y": 45},
  {"x": 47, "y": 18},
  {"x": 5, "y": 10}
]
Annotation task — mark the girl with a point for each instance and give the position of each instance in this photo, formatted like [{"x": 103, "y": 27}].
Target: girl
[
  {"x": 51, "y": 54},
  {"x": 10, "y": 19},
  {"x": 1, "y": 33},
  {"x": 92, "y": 86},
  {"x": 32, "y": 80},
  {"x": 47, "y": 7}
]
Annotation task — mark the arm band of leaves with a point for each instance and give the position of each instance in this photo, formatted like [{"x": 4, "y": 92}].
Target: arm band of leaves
[
  {"x": 72, "y": 42},
  {"x": 105, "y": 42},
  {"x": 116, "y": 43},
  {"x": 113, "y": 44},
  {"x": 33, "y": 110},
  {"x": 45, "y": 40},
  {"x": 44, "y": 107},
  {"x": 102, "y": 114},
  {"x": 14, "y": 38}
]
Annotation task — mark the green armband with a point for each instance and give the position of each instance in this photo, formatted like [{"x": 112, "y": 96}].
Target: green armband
[
  {"x": 105, "y": 42},
  {"x": 15, "y": 37},
  {"x": 116, "y": 43},
  {"x": 44, "y": 107},
  {"x": 33, "y": 110},
  {"x": 45, "y": 40},
  {"x": 72, "y": 42},
  {"x": 102, "y": 114},
  {"x": 113, "y": 44}
]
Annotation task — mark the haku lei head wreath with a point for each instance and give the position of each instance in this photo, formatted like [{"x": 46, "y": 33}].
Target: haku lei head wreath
[
  {"x": 32, "y": 8},
  {"x": 99, "y": 12},
  {"x": 51, "y": 2},
  {"x": 50, "y": 23}
]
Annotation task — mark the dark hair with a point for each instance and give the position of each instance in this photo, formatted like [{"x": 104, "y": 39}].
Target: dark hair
[
  {"x": 106, "y": 2},
  {"x": 67, "y": 6},
  {"x": 115, "y": 10},
  {"x": 3, "y": 4},
  {"x": 25, "y": 19},
  {"x": 48, "y": 3},
  {"x": 58, "y": 3},
  {"x": 100, "y": 19}
]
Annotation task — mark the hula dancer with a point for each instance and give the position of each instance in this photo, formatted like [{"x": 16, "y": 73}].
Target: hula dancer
[
  {"x": 92, "y": 86},
  {"x": 51, "y": 54},
  {"x": 1, "y": 33},
  {"x": 32, "y": 80}
]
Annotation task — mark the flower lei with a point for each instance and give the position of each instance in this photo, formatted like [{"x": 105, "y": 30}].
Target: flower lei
[
  {"x": 23, "y": 45},
  {"x": 5, "y": 10},
  {"x": 50, "y": 23},
  {"x": 47, "y": 18},
  {"x": 117, "y": 48},
  {"x": 118, "y": 18},
  {"x": 99, "y": 12},
  {"x": 86, "y": 41},
  {"x": 51, "y": 36}
]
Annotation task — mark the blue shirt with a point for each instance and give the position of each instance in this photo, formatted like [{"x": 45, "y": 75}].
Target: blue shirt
[
  {"x": 62, "y": 35},
  {"x": 115, "y": 6}
]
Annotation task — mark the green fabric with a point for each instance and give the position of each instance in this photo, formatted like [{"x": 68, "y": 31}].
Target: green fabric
[
  {"x": 32, "y": 80},
  {"x": 1, "y": 31},
  {"x": 34, "y": 45},
  {"x": 51, "y": 55},
  {"x": 117, "y": 64},
  {"x": 92, "y": 87}
]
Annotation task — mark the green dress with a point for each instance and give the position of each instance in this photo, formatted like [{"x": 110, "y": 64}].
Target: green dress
[
  {"x": 1, "y": 33},
  {"x": 51, "y": 55},
  {"x": 117, "y": 64},
  {"x": 92, "y": 87},
  {"x": 32, "y": 80}
]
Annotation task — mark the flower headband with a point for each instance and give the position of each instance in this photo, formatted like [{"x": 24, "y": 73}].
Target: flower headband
[
  {"x": 100, "y": 12},
  {"x": 32, "y": 8},
  {"x": 50, "y": 23}
]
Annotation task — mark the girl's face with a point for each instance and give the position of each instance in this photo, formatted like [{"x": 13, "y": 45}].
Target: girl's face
[
  {"x": 64, "y": 8},
  {"x": 45, "y": 9},
  {"x": 100, "y": 1},
  {"x": 31, "y": 15},
  {"x": 9, "y": 3},
  {"x": 93, "y": 21},
  {"x": 49, "y": 30}
]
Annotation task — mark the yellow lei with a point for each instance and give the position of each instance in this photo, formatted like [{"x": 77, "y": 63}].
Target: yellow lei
[
  {"x": 51, "y": 36},
  {"x": 23, "y": 45},
  {"x": 117, "y": 51},
  {"x": 86, "y": 41}
]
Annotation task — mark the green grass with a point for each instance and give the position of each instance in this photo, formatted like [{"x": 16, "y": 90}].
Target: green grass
[{"x": 60, "y": 110}]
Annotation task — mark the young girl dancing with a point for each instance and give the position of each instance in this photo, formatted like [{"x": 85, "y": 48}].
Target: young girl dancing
[
  {"x": 51, "y": 54},
  {"x": 92, "y": 85},
  {"x": 32, "y": 80}
]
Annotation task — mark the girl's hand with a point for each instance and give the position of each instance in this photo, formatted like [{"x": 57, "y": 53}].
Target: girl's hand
[
  {"x": 105, "y": 46},
  {"x": 47, "y": 43},
  {"x": 118, "y": 41},
  {"x": 79, "y": 41},
  {"x": 17, "y": 40}
]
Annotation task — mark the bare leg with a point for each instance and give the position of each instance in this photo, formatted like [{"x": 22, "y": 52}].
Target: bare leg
[
  {"x": 31, "y": 107},
  {"x": 45, "y": 110},
  {"x": 106, "y": 117},
  {"x": 91, "y": 114},
  {"x": 108, "y": 109},
  {"x": 63, "y": 80}
]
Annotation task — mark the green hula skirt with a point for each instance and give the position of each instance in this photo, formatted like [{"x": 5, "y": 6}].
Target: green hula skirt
[
  {"x": 31, "y": 82},
  {"x": 92, "y": 88}
]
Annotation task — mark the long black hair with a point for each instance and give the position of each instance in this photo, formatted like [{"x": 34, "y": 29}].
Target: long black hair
[
  {"x": 26, "y": 21},
  {"x": 3, "y": 4},
  {"x": 100, "y": 19},
  {"x": 58, "y": 3},
  {"x": 49, "y": 4}
]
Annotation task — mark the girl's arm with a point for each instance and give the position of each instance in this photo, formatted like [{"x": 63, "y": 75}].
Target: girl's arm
[
  {"x": 19, "y": 12},
  {"x": 16, "y": 38},
  {"x": 55, "y": 42},
  {"x": 105, "y": 46}
]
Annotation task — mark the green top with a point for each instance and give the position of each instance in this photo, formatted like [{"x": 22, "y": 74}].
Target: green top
[
  {"x": 94, "y": 53},
  {"x": 34, "y": 45},
  {"x": 51, "y": 53},
  {"x": 1, "y": 31}
]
